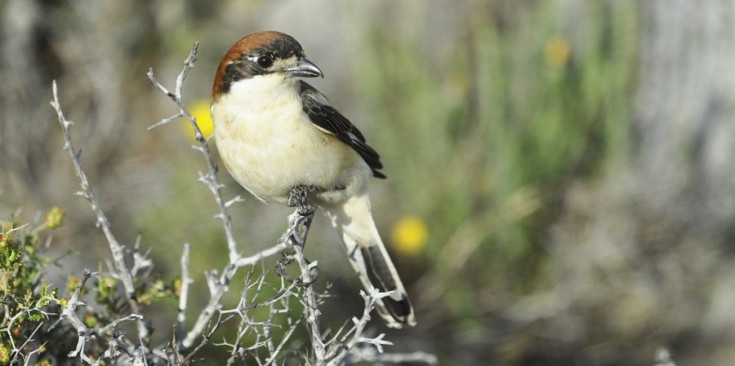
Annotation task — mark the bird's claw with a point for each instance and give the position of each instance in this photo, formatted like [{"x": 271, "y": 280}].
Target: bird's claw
[{"x": 299, "y": 198}]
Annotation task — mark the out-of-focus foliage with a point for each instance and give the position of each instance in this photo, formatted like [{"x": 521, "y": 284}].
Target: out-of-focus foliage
[
  {"x": 30, "y": 305},
  {"x": 32, "y": 329},
  {"x": 570, "y": 161}
]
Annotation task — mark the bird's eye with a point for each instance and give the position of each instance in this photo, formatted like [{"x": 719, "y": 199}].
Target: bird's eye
[{"x": 265, "y": 61}]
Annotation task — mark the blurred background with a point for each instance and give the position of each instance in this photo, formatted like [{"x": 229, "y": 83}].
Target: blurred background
[{"x": 561, "y": 173}]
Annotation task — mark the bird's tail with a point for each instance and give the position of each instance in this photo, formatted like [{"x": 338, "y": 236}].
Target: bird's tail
[{"x": 370, "y": 259}]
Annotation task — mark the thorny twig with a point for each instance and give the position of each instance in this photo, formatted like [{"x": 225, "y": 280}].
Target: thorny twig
[
  {"x": 299, "y": 223},
  {"x": 69, "y": 313},
  {"x": 210, "y": 178},
  {"x": 218, "y": 285},
  {"x": 17, "y": 350},
  {"x": 121, "y": 270},
  {"x": 183, "y": 293}
]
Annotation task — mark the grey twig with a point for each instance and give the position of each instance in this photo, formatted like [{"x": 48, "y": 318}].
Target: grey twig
[
  {"x": 29, "y": 349},
  {"x": 118, "y": 251},
  {"x": 84, "y": 333},
  {"x": 70, "y": 313},
  {"x": 339, "y": 349},
  {"x": 218, "y": 285},
  {"x": 299, "y": 223},
  {"x": 183, "y": 293},
  {"x": 370, "y": 356},
  {"x": 210, "y": 178}
]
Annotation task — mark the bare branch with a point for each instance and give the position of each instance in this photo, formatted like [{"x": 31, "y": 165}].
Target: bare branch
[
  {"x": 69, "y": 313},
  {"x": 299, "y": 223},
  {"x": 366, "y": 355},
  {"x": 218, "y": 286},
  {"x": 338, "y": 350},
  {"x": 84, "y": 333},
  {"x": 164, "y": 120},
  {"x": 246, "y": 261},
  {"x": 184, "y": 292},
  {"x": 296, "y": 234},
  {"x": 118, "y": 251}
]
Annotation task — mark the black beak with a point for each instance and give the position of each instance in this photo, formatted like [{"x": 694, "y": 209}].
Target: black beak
[{"x": 305, "y": 69}]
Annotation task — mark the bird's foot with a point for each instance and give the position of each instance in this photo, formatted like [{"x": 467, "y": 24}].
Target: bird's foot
[{"x": 299, "y": 198}]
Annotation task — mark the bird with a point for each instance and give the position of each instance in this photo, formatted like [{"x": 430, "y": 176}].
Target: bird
[{"x": 277, "y": 134}]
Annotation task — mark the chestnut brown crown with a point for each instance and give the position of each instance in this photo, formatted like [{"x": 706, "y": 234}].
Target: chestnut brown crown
[{"x": 262, "y": 53}]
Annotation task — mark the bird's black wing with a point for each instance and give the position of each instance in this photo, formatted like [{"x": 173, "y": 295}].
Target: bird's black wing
[{"x": 329, "y": 120}]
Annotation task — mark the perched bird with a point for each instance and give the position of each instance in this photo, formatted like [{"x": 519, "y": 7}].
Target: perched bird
[{"x": 277, "y": 134}]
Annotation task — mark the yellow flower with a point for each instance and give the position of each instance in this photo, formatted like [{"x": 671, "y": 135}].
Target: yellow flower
[
  {"x": 200, "y": 111},
  {"x": 410, "y": 235},
  {"x": 557, "y": 52}
]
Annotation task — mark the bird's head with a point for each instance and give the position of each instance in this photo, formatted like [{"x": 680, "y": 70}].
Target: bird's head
[{"x": 262, "y": 53}]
